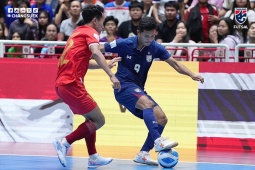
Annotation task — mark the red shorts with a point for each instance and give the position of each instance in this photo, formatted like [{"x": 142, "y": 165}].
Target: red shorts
[{"x": 76, "y": 97}]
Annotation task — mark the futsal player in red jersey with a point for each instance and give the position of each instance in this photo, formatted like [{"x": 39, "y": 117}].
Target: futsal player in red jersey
[{"x": 73, "y": 64}]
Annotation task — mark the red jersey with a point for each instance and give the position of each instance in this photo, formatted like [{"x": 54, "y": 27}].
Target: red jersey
[
  {"x": 205, "y": 23},
  {"x": 74, "y": 61}
]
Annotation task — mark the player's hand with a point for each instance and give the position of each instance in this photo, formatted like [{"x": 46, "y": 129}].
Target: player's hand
[
  {"x": 197, "y": 78},
  {"x": 113, "y": 61},
  {"x": 115, "y": 82}
]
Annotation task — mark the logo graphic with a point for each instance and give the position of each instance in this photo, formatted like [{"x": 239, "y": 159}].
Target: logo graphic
[
  {"x": 22, "y": 13},
  {"x": 148, "y": 58},
  {"x": 240, "y": 15},
  {"x": 10, "y": 10},
  {"x": 96, "y": 36},
  {"x": 29, "y": 10},
  {"x": 137, "y": 90},
  {"x": 35, "y": 10},
  {"x": 16, "y": 10}
]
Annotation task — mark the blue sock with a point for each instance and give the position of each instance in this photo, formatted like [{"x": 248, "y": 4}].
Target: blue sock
[
  {"x": 151, "y": 123},
  {"x": 149, "y": 142}
]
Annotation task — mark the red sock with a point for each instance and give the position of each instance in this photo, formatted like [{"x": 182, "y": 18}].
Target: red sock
[
  {"x": 85, "y": 129},
  {"x": 91, "y": 143}
]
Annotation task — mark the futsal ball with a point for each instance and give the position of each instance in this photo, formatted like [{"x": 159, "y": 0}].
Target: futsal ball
[{"x": 168, "y": 158}]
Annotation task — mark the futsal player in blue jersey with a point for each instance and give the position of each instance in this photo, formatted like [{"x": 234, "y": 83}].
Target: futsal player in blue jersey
[{"x": 137, "y": 56}]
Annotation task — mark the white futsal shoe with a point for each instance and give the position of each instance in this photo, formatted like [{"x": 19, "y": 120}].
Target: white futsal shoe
[
  {"x": 61, "y": 151},
  {"x": 164, "y": 144},
  {"x": 144, "y": 158},
  {"x": 99, "y": 161}
]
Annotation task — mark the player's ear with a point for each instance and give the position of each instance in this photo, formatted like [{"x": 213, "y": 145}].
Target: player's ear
[{"x": 94, "y": 20}]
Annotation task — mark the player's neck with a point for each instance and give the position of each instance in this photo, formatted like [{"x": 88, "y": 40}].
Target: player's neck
[{"x": 140, "y": 46}]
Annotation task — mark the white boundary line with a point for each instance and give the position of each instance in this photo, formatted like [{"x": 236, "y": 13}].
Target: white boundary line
[{"x": 130, "y": 159}]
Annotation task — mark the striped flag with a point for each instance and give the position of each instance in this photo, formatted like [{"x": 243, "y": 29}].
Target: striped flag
[
  {"x": 30, "y": 110},
  {"x": 226, "y": 106}
]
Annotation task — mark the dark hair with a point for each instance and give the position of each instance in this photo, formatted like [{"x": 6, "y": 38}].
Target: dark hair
[
  {"x": 3, "y": 28},
  {"x": 54, "y": 25},
  {"x": 173, "y": 4},
  {"x": 46, "y": 13},
  {"x": 230, "y": 25},
  {"x": 248, "y": 6},
  {"x": 80, "y": 23},
  {"x": 111, "y": 18},
  {"x": 186, "y": 38},
  {"x": 214, "y": 24},
  {"x": 71, "y": 1},
  {"x": 135, "y": 4},
  {"x": 251, "y": 24},
  {"x": 22, "y": 36},
  {"x": 92, "y": 11},
  {"x": 147, "y": 23},
  {"x": 24, "y": 2},
  {"x": 244, "y": 31}
]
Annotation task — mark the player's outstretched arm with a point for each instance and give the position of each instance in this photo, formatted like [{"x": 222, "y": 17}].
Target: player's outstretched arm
[
  {"x": 180, "y": 68},
  {"x": 93, "y": 64},
  {"x": 99, "y": 57}
]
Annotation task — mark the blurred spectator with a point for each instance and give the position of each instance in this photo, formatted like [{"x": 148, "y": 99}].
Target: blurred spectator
[
  {"x": 93, "y": 2},
  {"x": 62, "y": 11},
  {"x": 217, "y": 3},
  {"x": 252, "y": 2},
  {"x": 129, "y": 28},
  {"x": 16, "y": 36},
  {"x": 27, "y": 26},
  {"x": 8, "y": 18},
  {"x": 50, "y": 50},
  {"x": 228, "y": 5},
  {"x": 251, "y": 33},
  {"x": 182, "y": 36},
  {"x": 213, "y": 33},
  {"x": 241, "y": 4},
  {"x": 147, "y": 8},
  {"x": 118, "y": 9},
  {"x": 167, "y": 29},
  {"x": 200, "y": 18},
  {"x": 3, "y": 3},
  {"x": 2, "y": 28},
  {"x": 41, "y": 5},
  {"x": 67, "y": 26},
  {"x": 187, "y": 3},
  {"x": 249, "y": 51},
  {"x": 213, "y": 38},
  {"x": 226, "y": 35},
  {"x": 110, "y": 26},
  {"x": 242, "y": 33},
  {"x": 54, "y": 4},
  {"x": 159, "y": 10},
  {"x": 43, "y": 21}
]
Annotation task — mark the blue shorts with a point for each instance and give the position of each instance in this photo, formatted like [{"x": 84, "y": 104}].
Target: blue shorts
[{"x": 128, "y": 97}]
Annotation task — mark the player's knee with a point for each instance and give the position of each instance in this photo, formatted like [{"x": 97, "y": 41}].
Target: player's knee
[
  {"x": 100, "y": 123},
  {"x": 162, "y": 120},
  {"x": 148, "y": 104}
]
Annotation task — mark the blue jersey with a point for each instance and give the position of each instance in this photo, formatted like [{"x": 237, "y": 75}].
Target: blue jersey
[{"x": 135, "y": 64}]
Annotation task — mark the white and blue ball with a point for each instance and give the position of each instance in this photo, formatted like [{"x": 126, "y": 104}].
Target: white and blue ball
[{"x": 168, "y": 158}]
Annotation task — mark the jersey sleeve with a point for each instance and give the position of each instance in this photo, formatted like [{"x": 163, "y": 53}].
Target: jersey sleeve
[
  {"x": 92, "y": 37},
  {"x": 162, "y": 53},
  {"x": 114, "y": 46}
]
